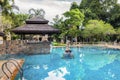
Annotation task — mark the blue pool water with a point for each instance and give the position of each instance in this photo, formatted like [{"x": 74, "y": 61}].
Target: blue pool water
[{"x": 89, "y": 63}]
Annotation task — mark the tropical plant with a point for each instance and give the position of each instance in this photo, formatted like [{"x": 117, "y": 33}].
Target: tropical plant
[
  {"x": 74, "y": 19},
  {"x": 115, "y": 16},
  {"x": 118, "y": 34},
  {"x": 7, "y": 6},
  {"x": 5, "y": 26},
  {"x": 19, "y": 19},
  {"x": 74, "y": 5},
  {"x": 36, "y": 12},
  {"x": 97, "y": 30},
  {"x": 58, "y": 23},
  {"x": 91, "y": 9}
]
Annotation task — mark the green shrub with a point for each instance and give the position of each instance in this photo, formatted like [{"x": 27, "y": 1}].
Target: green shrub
[{"x": 57, "y": 44}]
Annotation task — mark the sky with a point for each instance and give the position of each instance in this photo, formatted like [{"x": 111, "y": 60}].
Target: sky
[{"x": 51, "y": 7}]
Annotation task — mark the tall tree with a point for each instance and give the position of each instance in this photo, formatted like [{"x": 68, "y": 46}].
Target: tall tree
[
  {"x": 118, "y": 34},
  {"x": 58, "y": 23},
  {"x": 19, "y": 19},
  {"x": 99, "y": 9},
  {"x": 106, "y": 6},
  {"x": 7, "y": 6},
  {"x": 74, "y": 5},
  {"x": 115, "y": 16},
  {"x": 98, "y": 30},
  {"x": 91, "y": 9},
  {"x": 74, "y": 19},
  {"x": 6, "y": 25}
]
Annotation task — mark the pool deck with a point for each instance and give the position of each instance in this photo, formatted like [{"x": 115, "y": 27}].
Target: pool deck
[
  {"x": 111, "y": 46},
  {"x": 12, "y": 68},
  {"x": 99, "y": 45}
]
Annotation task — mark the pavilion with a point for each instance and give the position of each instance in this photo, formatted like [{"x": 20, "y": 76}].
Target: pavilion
[
  {"x": 35, "y": 26},
  {"x": 35, "y": 32}
]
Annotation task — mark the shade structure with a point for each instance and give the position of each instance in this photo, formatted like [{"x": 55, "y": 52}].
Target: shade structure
[
  {"x": 36, "y": 25},
  {"x": 2, "y": 34}
]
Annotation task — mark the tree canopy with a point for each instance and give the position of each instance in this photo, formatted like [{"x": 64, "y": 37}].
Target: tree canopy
[
  {"x": 106, "y": 10},
  {"x": 10, "y": 19},
  {"x": 74, "y": 17},
  {"x": 97, "y": 30},
  {"x": 96, "y": 20},
  {"x": 7, "y": 6},
  {"x": 74, "y": 5}
]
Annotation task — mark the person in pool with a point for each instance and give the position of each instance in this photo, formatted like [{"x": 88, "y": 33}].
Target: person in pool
[{"x": 68, "y": 54}]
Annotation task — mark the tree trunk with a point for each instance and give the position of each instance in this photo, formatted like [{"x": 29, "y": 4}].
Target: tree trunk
[
  {"x": 76, "y": 40},
  {"x": 62, "y": 40}
]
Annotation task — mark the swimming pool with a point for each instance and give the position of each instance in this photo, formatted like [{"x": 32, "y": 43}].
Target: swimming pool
[{"x": 89, "y": 63}]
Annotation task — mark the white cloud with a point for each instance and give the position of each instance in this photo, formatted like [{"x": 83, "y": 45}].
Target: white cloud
[
  {"x": 51, "y": 7},
  {"x": 118, "y": 1}
]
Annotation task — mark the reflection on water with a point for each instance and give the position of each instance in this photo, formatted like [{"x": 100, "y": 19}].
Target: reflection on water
[
  {"x": 45, "y": 67},
  {"x": 94, "y": 62},
  {"x": 51, "y": 47},
  {"x": 57, "y": 74},
  {"x": 36, "y": 67}
]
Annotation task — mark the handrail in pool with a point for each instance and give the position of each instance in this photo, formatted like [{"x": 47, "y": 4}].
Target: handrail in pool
[
  {"x": 4, "y": 70},
  {"x": 17, "y": 66}
]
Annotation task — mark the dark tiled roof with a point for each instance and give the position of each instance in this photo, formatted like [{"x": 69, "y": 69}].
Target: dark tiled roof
[
  {"x": 36, "y": 25},
  {"x": 35, "y": 29},
  {"x": 2, "y": 34},
  {"x": 37, "y": 20}
]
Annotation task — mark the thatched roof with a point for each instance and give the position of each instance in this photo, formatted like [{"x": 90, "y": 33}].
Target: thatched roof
[
  {"x": 37, "y": 20},
  {"x": 36, "y": 26},
  {"x": 35, "y": 29},
  {"x": 2, "y": 34}
]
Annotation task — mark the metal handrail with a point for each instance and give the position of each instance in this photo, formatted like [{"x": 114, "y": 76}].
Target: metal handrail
[
  {"x": 17, "y": 66},
  {"x": 4, "y": 70},
  {"x": 7, "y": 68},
  {"x": 21, "y": 73}
]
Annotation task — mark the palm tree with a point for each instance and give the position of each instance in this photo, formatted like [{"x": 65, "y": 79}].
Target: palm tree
[
  {"x": 37, "y": 12},
  {"x": 7, "y": 6}
]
